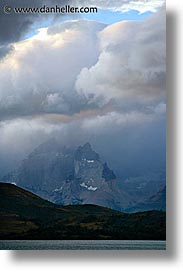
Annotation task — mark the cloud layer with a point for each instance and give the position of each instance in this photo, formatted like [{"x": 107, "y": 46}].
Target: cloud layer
[
  {"x": 84, "y": 81},
  {"x": 80, "y": 64},
  {"x": 15, "y": 26},
  {"x": 124, "y": 5}
]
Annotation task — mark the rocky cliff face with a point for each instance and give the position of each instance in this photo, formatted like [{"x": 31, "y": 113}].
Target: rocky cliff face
[{"x": 70, "y": 176}]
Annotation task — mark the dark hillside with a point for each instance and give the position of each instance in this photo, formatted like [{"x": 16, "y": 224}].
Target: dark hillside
[{"x": 24, "y": 215}]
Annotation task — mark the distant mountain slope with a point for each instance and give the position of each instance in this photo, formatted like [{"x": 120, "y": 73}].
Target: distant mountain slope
[
  {"x": 143, "y": 186},
  {"x": 155, "y": 202},
  {"x": 24, "y": 215},
  {"x": 70, "y": 176}
]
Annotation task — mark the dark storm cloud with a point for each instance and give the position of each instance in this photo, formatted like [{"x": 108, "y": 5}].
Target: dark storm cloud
[{"x": 14, "y": 26}]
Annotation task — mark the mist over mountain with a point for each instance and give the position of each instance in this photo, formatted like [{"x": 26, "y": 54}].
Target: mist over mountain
[
  {"x": 70, "y": 176},
  {"x": 76, "y": 175}
]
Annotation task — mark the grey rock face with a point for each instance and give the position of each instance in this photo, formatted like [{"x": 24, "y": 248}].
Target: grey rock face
[{"x": 70, "y": 176}]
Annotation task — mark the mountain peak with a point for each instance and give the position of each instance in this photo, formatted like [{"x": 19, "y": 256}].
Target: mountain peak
[
  {"x": 87, "y": 145},
  {"x": 86, "y": 152},
  {"x": 66, "y": 175}
]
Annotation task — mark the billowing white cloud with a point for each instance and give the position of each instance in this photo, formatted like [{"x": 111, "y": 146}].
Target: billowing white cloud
[
  {"x": 40, "y": 73},
  {"x": 124, "y": 5},
  {"x": 131, "y": 65},
  {"x": 84, "y": 64}
]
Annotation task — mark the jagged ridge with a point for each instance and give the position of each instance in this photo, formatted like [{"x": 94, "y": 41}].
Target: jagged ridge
[{"x": 70, "y": 176}]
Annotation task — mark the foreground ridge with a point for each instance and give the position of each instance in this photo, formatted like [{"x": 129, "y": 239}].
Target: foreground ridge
[{"x": 26, "y": 216}]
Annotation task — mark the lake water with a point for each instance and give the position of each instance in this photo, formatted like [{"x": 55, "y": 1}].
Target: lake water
[{"x": 83, "y": 245}]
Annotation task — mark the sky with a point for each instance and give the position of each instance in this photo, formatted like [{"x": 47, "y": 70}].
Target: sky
[{"x": 97, "y": 78}]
